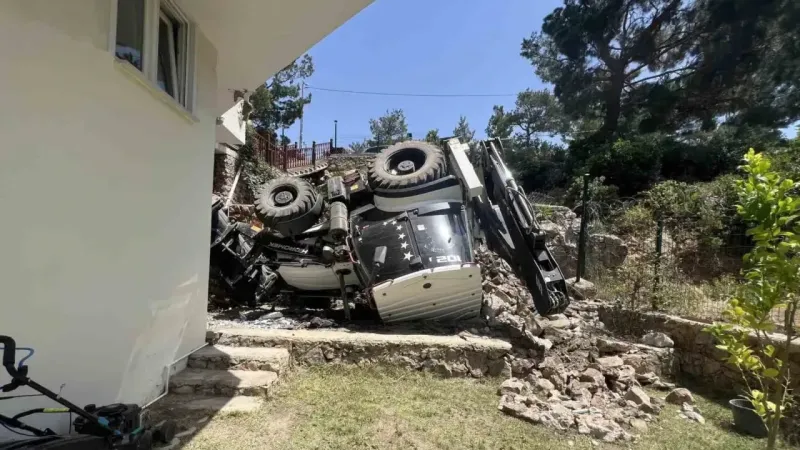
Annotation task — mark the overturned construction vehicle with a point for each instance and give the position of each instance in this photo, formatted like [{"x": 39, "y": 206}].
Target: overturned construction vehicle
[{"x": 400, "y": 241}]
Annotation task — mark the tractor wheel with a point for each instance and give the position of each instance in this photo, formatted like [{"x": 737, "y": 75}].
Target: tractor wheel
[
  {"x": 285, "y": 199},
  {"x": 407, "y": 164}
]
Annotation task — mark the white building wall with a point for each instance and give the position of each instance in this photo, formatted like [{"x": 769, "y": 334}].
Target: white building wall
[{"x": 104, "y": 208}]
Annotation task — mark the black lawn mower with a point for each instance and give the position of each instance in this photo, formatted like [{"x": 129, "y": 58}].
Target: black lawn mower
[{"x": 116, "y": 426}]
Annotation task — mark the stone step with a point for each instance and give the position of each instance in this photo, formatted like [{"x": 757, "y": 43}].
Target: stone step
[
  {"x": 228, "y": 383},
  {"x": 449, "y": 355},
  {"x": 238, "y": 403},
  {"x": 242, "y": 358}
]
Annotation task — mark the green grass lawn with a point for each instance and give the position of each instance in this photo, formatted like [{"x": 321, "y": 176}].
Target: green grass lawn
[{"x": 357, "y": 408}]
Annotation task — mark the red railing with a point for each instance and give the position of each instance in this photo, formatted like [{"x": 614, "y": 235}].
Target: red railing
[{"x": 289, "y": 156}]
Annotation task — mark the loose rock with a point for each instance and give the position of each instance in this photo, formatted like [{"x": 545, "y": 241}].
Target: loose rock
[
  {"x": 513, "y": 386},
  {"x": 609, "y": 362},
  {"x": 639, "y": 425},
  {"x": 319, "y": 322},
  {"x": 563, "y": 378},
  {"x": 658, "y": 339},
  {"x": 612, "y": 347},
  {"x": 639, "y": 397},
  {"x": 690, "y": 413},
  {"x": 646, "y": 378},
  {"x": 680, "y": 396},
  {"x": 581, "y": 290}
]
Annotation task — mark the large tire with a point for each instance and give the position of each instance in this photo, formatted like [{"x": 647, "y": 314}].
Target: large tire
[
  {"x": 407, "y": 164},
  {"x": 285, "y": 199}
]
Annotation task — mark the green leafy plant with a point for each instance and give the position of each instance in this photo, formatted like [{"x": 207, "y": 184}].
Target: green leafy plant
[{"x": 768, "y": 202}]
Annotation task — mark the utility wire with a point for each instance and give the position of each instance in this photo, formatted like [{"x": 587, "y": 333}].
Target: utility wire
[{"x": 399, "y": 94}]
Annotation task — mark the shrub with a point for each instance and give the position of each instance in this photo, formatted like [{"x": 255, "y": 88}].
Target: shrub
[
  {"x": 636, "y": 220},
  {"x": 768, "y": 202}
]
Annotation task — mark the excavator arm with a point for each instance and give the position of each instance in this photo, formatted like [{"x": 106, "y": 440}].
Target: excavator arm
[{"x": 508, "y": 221}]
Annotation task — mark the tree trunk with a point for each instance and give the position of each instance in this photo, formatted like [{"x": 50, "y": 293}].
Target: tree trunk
[{"x": 613, "y": 104}]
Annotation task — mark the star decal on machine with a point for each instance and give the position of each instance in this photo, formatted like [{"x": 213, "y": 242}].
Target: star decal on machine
[
  {"x": 407, "y": 256},
  {"x": 403, "y": 245}
]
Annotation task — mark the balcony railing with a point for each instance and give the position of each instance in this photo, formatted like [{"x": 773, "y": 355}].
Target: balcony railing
[{"x": 290, "y": 157}]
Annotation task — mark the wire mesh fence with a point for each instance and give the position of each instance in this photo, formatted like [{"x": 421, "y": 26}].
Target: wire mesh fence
[{"x": 685, "y": 258}]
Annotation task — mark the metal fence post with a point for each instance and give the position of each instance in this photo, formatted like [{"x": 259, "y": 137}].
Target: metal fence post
[
  {"x": 285, "y": 155},
  {"x": 582, "y": 236},
  {"x": 314, "y": 153},
  {"x": 657, "y": 262}
]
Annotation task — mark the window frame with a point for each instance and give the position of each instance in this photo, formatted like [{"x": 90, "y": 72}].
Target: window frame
[{"x": 184, "y": 69}]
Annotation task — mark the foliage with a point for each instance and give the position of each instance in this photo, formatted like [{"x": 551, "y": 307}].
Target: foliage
[
  {"x": 786, "y": 158},
  {"x": 637, "y": 162},
  {"x": 463, "y": 130},
  {"x": 535, "y": 113},
  {"x": 665, "y": 65},
  {"x": 630, "y": 164},
  {"x": 538, "y": 167},
  {"x": 433, "y": 136},
  {"x": 540, "y": 164},
  {"x": 768, "y": 202},
  {"x": 359, "y": 146},
  {"x": 255, "y": 171},
  {"x": 388, "y": 129},
  {"x": 702, "y": 214},
  {"x": 500, "y": 123},
  {"x": 277, "y": 103},
  {"x": 599, "y": 192},
  {"x": 635, "y": 221},
  {"x": 596, "y": 52}
]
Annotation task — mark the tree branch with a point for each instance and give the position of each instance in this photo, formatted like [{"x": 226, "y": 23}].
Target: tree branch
[{"x": 680, "y": 69}]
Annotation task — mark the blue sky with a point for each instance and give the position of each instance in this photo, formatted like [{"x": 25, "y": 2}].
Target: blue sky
[{"x": 422, "y": 47}]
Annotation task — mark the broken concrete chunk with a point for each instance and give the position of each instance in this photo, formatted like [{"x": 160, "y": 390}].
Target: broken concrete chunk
[
  {"x": 513, "y": 386},
  {"x": 609, "y": 362},
  {"x": 694, "y": 415},
  {"x": 637, "y": 396},
  {"x": 273, "y": 315},
  {"x": 639, "y": 425},
  {"x": 581, "y": 290},
  {"x": 544, "y": 385},
  {"x": 680, "y": 396},
  {"x": 512, "y": 404},
  {"x": 663, "y": 385},
  {"x": 611, "y": 347},
  {"x": 559, "y": 323},
  {"x": 538, "y": 343},
  {"x": 657, "y": 339},
  {"x": 522, "y": 366},
  {"x": 593, "y": 376},
  {"x": 646, "y": 378}
]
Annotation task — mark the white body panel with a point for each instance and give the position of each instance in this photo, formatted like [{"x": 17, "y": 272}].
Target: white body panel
[
  {"x": 314, "y": 277},
  {"x": 464, "y": 170},
  {"x": 400, "y": 204},
  {"x": 441, "y": 293}
]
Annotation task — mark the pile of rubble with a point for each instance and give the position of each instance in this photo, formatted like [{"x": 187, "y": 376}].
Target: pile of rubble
[
  {"x": 566, "y": 374},
  {"x": 270, "y": 317}
]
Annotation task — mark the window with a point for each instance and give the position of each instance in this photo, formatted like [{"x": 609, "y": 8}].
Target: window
[
  {"x": 155, "y": 37},
  {"x": 130, "y": 31}
]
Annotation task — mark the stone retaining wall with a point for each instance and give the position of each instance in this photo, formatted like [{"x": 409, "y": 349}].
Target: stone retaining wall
[
  {"x": 224, "y": 171},
  {"x": 695, "y": 350},
  {"x": 448, "y": 356}
]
